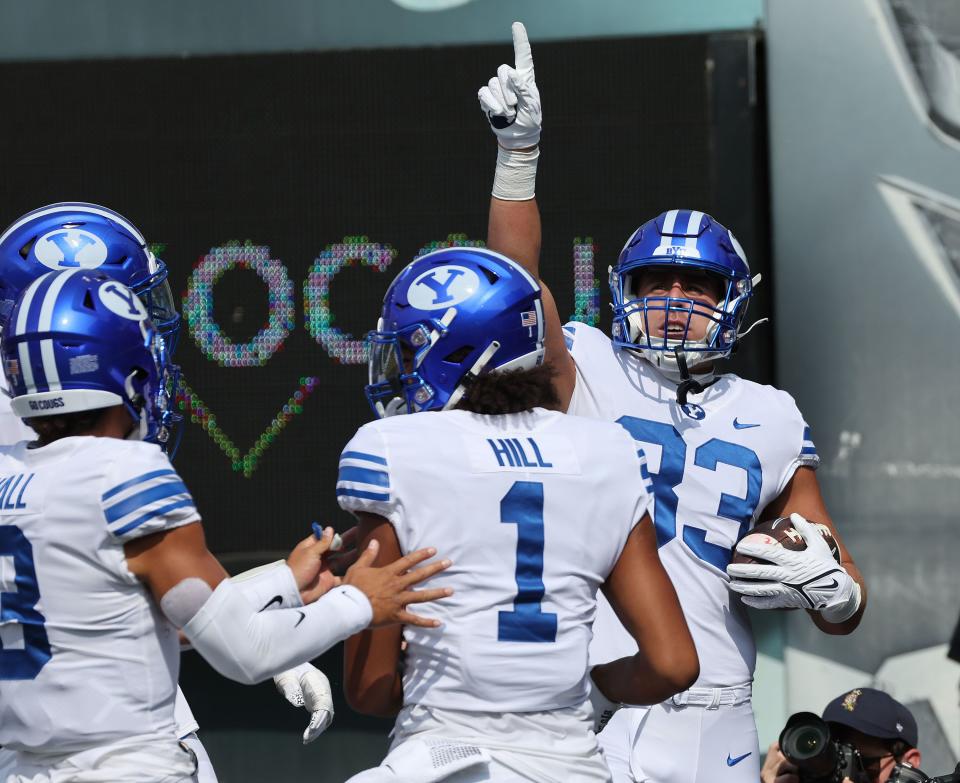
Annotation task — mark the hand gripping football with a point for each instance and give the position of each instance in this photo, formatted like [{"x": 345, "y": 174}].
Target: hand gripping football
[{"x": 781, "y": 531}]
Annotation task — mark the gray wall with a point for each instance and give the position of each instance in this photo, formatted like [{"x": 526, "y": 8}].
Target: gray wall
[
  {"x": 866, "y": 323},
  {"x": 54, "y": 29}
]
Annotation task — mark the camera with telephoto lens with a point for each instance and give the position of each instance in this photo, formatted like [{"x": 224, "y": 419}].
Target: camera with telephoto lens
[{"x": 807, "y": 744}]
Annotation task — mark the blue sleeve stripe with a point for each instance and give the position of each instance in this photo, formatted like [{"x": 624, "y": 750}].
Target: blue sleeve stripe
[
  {"x": 571, "y": 330},
  {"x": 355, "y": 475},
  {"x": 359, "y": 493},
  {"x": 361, "y": 455},
  {"x": 138, "y": 480},
  {"x": 152, "y": 514},
  {"x": 808, "y": 450},
  {"x": 569, "y": 343},
  {"x": 128, "y": 505},
  {"x": 806, "y": 433}
]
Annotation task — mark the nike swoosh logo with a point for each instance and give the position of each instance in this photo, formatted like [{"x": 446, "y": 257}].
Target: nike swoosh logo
[
  {"x": 277, "y": 599},
  {"x": 733, "y": 762},
  {"x": 741, "y": 426},
  {"x": 833, "y": 583},
  {"x": 302, "y": 618}
]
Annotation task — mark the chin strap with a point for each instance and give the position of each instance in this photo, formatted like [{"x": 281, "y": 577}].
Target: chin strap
[
  {"x": 687, "y": 384},
  {"x": 751, "y": 327}
]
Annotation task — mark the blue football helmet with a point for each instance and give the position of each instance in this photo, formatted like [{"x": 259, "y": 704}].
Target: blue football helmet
[
  {"x": 78, "y": 341},
  {"x": 449, "y": 317},
  {"x": 692, "y": 240},
  {"x": 75, "y": 235}
]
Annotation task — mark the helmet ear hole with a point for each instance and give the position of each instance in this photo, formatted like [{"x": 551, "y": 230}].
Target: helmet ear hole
[
  {"x": 88, "y": 301},
  {"x": 457, "y": 356},
  {"x": 492, "y": 277},
  {"x": 27, "y": 247}
]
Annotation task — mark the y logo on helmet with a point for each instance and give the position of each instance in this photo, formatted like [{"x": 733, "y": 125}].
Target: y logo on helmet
[
  {"x": 70, "y": 248},
  {"x": 444, "y": 287},
  {"x": 122, "y": 301}
]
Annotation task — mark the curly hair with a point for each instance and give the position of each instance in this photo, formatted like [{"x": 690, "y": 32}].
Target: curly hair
[
  {"x": 51, "y": 428},
  {"x": 511, "y": 391}
]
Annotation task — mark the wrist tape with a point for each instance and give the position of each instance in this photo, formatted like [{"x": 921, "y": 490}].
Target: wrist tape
[{"x": 515, "y": 178}]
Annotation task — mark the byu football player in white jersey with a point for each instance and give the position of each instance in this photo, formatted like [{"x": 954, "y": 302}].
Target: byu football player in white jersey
[
  {"x": 723, "y": 452},
  {"x": 536, "y": 509},
  {"x": 77, "y": 234},
  {"x": 102, "y": 556}
]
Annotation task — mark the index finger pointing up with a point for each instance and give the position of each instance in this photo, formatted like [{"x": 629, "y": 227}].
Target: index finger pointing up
[{"x": 522, "y": 56}]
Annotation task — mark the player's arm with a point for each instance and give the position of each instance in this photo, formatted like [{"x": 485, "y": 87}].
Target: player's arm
[
  {"x": 249, "y": 645},
  {"x": 371, "y": 661},
  {"x": 802, "y": 496},
  {"x": 645, "y": 601},
  {"x": 511, "y": 103}
]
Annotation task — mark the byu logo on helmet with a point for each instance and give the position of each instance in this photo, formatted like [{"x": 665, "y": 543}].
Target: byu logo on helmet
[
  {"x": 70, "y": 248},
  {"x": 122, "y": 301},
  {"x": 443, "y": 287}
]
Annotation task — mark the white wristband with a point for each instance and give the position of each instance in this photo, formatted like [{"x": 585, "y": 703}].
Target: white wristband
[
  {"x": 516, "y": 176},
  {"x": 603, "y": 708}
]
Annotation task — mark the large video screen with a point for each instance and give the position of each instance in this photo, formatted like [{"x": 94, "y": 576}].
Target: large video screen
[{"x": 285, "y": 192}]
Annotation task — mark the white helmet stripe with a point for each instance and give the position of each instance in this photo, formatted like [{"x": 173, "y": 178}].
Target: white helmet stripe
[
  {"x": 91, "y": 209},
  {"x": 50, "y": 365},
  {"x": 669, "y": 221},
  {"x": 693, "y": 229},
  {"x": 50, "y": 299},
  {"x": 20, "y": 327},
  {"x": 46, "y": 323},
  {"x": 24, "y": 352}
]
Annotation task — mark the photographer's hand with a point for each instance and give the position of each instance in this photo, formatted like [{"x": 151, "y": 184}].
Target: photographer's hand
[{"x": 776, "y": 768}]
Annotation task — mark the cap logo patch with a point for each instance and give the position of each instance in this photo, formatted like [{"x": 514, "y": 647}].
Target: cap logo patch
[{"x": 850, "y": 700}]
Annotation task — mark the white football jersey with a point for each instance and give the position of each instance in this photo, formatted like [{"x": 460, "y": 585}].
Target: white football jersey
[
  {"x": 715, "y": 468},
  {"x": 87, "y": 658},
  {"x": 533, "y": 509}
]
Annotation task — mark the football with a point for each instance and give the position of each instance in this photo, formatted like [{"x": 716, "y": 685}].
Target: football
[{"x": 781, "y": 531}]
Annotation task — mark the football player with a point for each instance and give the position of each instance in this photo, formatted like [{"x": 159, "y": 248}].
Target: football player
[
  {"x": 724, "y": 452},
  {"x": 80, "y": 235},
  {"x": 104, "y": 554},
  {"x": 537, "y": 510}
]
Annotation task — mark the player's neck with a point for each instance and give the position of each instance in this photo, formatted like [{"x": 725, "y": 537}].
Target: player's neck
[
  {"x": 114, "y": 422},
  {"x": 703, "y": 373}
]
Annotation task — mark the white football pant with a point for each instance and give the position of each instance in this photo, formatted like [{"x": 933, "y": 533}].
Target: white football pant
[{"x": 667, "y": 743}]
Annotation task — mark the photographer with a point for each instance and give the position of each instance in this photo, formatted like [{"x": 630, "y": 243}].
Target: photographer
[{"x": 873, "y": 723}]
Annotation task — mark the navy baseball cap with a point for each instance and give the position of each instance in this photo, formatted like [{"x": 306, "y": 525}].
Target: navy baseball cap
[{"x": 874, "y": 713}]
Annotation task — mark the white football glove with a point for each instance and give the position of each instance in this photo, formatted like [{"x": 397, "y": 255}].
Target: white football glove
[
  {"x": 808, "y": 579},
  {"x": 308, "y": 687},
  {"x": 511, "y": 100}
]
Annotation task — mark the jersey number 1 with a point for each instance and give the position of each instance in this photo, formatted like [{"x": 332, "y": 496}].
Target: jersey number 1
[
  {"x": 24, "y": 646},
  {"x": 523, "y": 506}
]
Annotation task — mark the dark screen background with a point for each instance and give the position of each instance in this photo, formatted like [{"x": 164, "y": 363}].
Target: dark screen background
[{"x": 297, "y": 152}]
